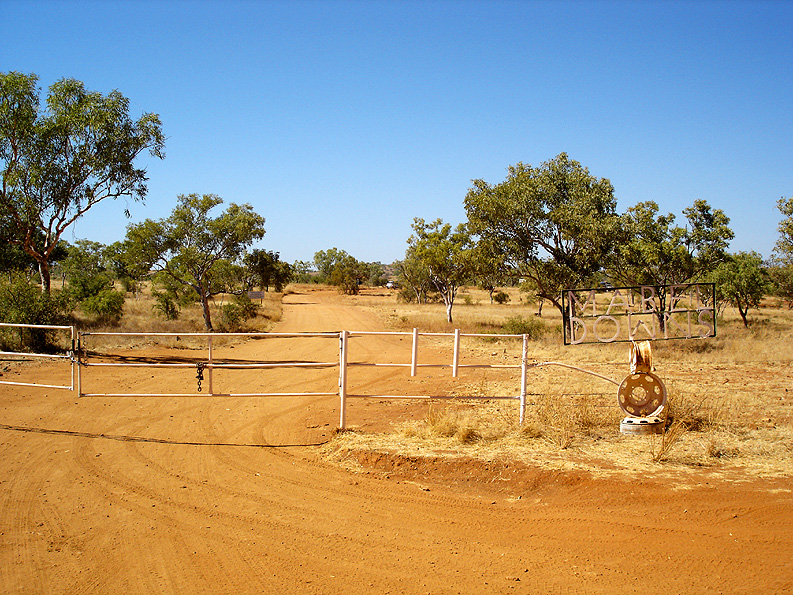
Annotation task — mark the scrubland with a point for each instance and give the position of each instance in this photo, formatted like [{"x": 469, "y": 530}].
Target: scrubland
[{"x": 728, "y": 410}]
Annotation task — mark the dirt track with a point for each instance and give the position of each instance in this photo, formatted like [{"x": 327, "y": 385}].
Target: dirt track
[{"x": 226, "y": 495}]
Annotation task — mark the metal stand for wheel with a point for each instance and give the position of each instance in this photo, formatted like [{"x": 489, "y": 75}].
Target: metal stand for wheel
[{"x": 642, "y": 395}]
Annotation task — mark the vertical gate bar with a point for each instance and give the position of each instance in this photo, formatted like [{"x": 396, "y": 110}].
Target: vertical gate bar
[
  {"x": 71, "y": 330},
  {"x": 414, "y": 352},
  {"x": 79, "y": 371},
  {"x": 343, "y": 380},
  {"x": 456, "y": 357},
  {"x": 209, "y": 367},
  {"x": 524, "y": 361}
]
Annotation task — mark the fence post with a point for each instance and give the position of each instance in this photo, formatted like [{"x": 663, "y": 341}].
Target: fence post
[
  {"x": 456, "y": 356},
  {"x": 209, "y": 367},
  {"x": 78, "y": 352},
  {"x": 414, "y": 352},
  {"x": 524, "y": 361},
  {"x": 74, "y": 355},
  {"x": 343, "y": 380}
]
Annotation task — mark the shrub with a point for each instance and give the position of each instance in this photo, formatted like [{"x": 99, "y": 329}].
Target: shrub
[
  {"x": 240, "y": 309},
  {"x": 165, "y": 304},
  {"x": 107, "y": 306},
  {"x": 23, "y": 302},
  {"x": 501, "y": 298},
  {"x": 517, "y": 325}
]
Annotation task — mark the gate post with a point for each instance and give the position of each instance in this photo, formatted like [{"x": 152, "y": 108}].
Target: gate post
[
  {"x": 209, "y": 367},
  {"x": 414, "y": 352},
  {"x": 456, "y": 356},
  {"x": 343, "y": 379},
  {"x": 78, "y": 352},
  {"x": 524, "y": 360}
]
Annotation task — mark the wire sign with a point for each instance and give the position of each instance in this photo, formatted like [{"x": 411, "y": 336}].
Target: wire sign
[{"x": 647, "y": 312}]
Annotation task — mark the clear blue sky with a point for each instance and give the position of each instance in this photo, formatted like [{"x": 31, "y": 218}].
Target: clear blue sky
[{"x": 342, "y": 121}]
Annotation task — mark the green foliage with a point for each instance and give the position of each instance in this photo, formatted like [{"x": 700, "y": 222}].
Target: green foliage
[
  {"x": 303, "y": 272},
  {"x": 782, "y": 261},
  {"x": 742, "y": 281},
  {"x": 84, "y": 270},
  {"x": 107, "y": 306},
  {"x": 554, "y": 224},
  {"x": 342, "y": 270},
  {"x": 58, "y": 162},
  {"x": 129, "y": 273},
  {"x": 264, "y": 268},
  {"x": 240, "y": 309},
  {"x": 490, "y": 267},
  {"x": 653, "y": 251},
  {"x": 518, "y": 325},
  {"x": 441, "y": 255},
  {"x": 501, "y": 297},
  {"x": 415, "y": 284},
  {"x": 782, "y": 277},
  {"x": 165, "y": 304},
  {"x": 375, "y": 274},
  {"x": 23, "y": 302},
  {"x": 194, "y": 249},
  {"x": 348, "y": 274},
  {"x": 326, "y": 260},
  {"x": 783, "y": 249}
]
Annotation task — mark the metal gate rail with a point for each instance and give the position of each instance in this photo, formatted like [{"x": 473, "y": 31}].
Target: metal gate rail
[
  {"x": 67, "y": 356},
  {"x": 78, "y": 361},
  {"x": 209, "y": 365}
]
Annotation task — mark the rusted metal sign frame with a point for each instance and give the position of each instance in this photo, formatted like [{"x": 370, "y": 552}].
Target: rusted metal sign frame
[{"x": 639, "y": 302}]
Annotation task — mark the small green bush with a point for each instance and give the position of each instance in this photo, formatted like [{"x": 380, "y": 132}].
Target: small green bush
[
  {"x": 240, "y": 309},
  {"x": 107, "y": 306},
  {"x": 501, "y": 297},
  {"x": 23, "y": 302},
  {"x": 518, "y": 325},
  {"x": 166, "y": 304}
]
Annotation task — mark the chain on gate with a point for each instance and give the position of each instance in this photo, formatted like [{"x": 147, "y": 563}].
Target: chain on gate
[{"x": 200, "y": 374}]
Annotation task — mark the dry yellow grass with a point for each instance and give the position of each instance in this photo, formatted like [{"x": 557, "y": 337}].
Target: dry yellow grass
[
  {"x": 729, "y": 410},
  {"x": 140, "y": 315}
]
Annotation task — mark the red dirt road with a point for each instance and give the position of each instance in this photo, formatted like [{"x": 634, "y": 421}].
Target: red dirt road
[{"x": 227, "y": 495}]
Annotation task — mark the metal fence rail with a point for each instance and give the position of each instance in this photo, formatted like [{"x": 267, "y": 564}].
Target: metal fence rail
[
  {"x": 54, "y": 356},
  {"x": 344, "y": 362},
  {"x": 209, "y": 364},
  {"x": 414, "y": 365}
]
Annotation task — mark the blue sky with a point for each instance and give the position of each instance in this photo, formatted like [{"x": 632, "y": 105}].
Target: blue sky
[{"x": 342, "y": 121}]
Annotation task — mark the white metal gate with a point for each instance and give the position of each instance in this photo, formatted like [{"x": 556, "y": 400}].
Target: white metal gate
[{"x": 210, "y": 363}]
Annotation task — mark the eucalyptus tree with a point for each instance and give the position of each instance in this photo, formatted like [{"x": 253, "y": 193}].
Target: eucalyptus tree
[
  {"x": 554, "y": 224},
  {"x": 341, "y": 269},
  {"x": 59, "y": 161},
  {"x": 265, "y": 268},
  {"x": 782, "y": 260},
  {"x": 490, "y": 267},
  {"x": 742, "y": 282},
  {"x": 194, "y": 249},
  {"x": 414, "y": 279},
  {"x": 652, "y": 250},
  {"x": 784, "y": 245},
  {"x": 445, "y": 254}
]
